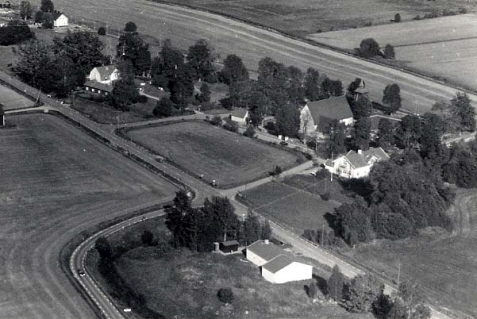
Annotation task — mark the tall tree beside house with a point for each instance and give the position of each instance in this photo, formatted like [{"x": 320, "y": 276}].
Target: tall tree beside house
[
  {"x": 312, "y": 85},
  {"x": 26, "y": 11},
  {"x": 362, "y": 107},
  {"x": 256, "y": 107},
  {"x": 166, "y": 66},
  {"x": 252, "y": 228},
  {"x": 463, "y": 112},
  {"x": 296, "y": 92},
  {"x": 392, "y": 97},
  {"x": 200, "y": 58},
  {"x": 362, "y": 292},
  {"x": 133, "y": 48},
  {"x": 337, "y": 140},
  {"x": 233, "y": 71},
  {"x": 125, "y": 92},
  {"x": 385, "y": 133},
  {"x": 432, "y": 128},
  {"x": 47, "y": 6},
  {"x": 272, "y": 81},
  {"x": 335, "y": 284},
  {"x": 204, "y": 95},
  {"x": 409, "y": 131},
  {"x": 181, "y": 86},
  {"x": 266, "y": 232},
  {"x": 288, "y": 120},
  {"x": 361, "y": 133}
]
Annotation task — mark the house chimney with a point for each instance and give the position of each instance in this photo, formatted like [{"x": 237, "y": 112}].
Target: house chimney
[
  {"x": 360, "y": 152},
  {"x": 265, "y": 241}
]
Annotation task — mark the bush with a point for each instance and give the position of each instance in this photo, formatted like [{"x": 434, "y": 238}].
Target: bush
[
  {"x": 249, "y": 132},
  {"x": 101, "y": 31},
  {"x": 397, "y": 18},
  {"x": 389, "y": 52},
  {"x": 326, "y": 196},
  {"x": 142, "y": 99},
  {"x": 225, "y": 295},
  {"x": 368, "y": 48},
  {"x": 230, "y": 125},
  {"x": 216, "y": 120},
  {"x": 163, "y": 108}
]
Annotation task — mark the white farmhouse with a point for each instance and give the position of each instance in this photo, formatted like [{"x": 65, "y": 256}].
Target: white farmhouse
[
  {"x": 356, "y": 164},
  {"x": 239, "y": 115},
  {"x": 104, "y": 74},
  {"x": 60, "y": 20},
  {"x": 282, "y": 269}
]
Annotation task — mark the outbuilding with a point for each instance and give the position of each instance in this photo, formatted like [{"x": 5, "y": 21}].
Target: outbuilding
[
  {"x": 282, "y": 269},
  {"x": 229, "y": 246},
  {"x": 97, "y": 88}
]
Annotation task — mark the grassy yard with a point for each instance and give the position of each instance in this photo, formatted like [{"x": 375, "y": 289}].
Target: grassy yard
[
  {"x": 185, "y": 285},
  {"x": 11, "y": 100},
  {"x": 56, "y": 182},
  {"x": 201, "y": 148},
  {"x": 296, "y": 201},
  {"x": 308, "y": 16}
]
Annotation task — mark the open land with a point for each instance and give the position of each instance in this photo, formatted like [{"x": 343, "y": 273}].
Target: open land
[
  {"x": 56, "y": 182},
  {"x": 441, "y": 47},
  {"x": 296, "y": 201},
  {"x": 186, "y": 284},
  {"x": 203, "y": 149},
  {"x": 11, "y": 100}
]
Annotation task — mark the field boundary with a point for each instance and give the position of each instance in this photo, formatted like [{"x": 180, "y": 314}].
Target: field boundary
[
  {"x": 17, "y": 90},
  {"x": 122, "y": 132}
]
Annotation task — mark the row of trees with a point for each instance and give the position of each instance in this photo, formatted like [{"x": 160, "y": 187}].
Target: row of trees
[{"x": 198, "y": 228}]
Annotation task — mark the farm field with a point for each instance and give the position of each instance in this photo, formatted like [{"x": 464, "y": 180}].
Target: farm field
[
  {"x": 215, "y": 153},
  {"x": 56, "y": 182},
  {"x": 185, "y": 285},
  {"x": 441, "y": 47},
  {"x": 11, "y": 100},
  {"x": 296, "y": 202}
]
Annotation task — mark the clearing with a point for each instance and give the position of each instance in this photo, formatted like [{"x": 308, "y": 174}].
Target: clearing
[
  {"x": 56, "y": 182},
  {"x": 440, "y": 47},
  {"x": 202, "y": 149},
  {"x": 11, "y": 100},
  {"x": 296, "y": 201}
]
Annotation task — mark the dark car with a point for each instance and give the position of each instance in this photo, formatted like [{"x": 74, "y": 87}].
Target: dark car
[{"x": 283, "y": 143}]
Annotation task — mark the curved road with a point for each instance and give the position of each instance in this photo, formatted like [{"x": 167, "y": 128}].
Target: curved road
[{"x": 184, "y": 26}]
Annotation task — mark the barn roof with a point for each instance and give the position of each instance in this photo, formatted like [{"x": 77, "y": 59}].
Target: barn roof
[
  {"x": 265, "y": 251},
  {"x": 99, "y": 86},
  {"x": 277, "y": 263},
  {"x": 335, "y": 108},
  {"x": 57, "y": 14},
  {"x": 230, "y": 243}
]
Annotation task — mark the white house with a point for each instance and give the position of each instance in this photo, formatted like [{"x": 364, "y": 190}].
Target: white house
[
  {"x": 262, "y": 251},
  {"x": 104, "y": 74},
  {"x": 60, "y": 20},
  {"x": 282, "y": 269},
  {"x": 316, "y": 116},
  {"x": 239, "y": 115},
  {"x": 356, "y": 164}
]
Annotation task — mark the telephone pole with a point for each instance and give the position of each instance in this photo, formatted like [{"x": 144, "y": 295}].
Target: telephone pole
[{"x": 399, "y": 274}]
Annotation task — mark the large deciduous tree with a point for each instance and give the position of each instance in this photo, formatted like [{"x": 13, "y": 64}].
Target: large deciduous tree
[
  {"x": 233, "y": 71},
  {"x": 385, "y": 133},
  {"x": 312, "y": 85},
  {"x": 335, "y": 284},
  {"x": 26, "y": 11},
  {"x": 200, "y": 58},
  {"x": 133, "y": 48},
  {"x": 47, "y": 6},
  {"x": 369, "y": 48},
  {"x": 463, "y": 112},
  {"x": 392, "y": 97},
  {"x": 362, "y": 292}
]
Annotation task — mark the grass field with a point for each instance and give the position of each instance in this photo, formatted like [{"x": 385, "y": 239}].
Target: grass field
[
  {"x": 308, "y": 16},
  {"x": 11, "y": 100},
  {"x": 201, "y": 148},
  {"x": 295, "y": 201},
  {"x": 442, "y": 47},
  {"x": 56, "y": 182},
  {"x": 185, "y": 286}
]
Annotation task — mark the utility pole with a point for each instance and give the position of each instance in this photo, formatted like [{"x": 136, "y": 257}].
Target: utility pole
[
  {"x": 332, "y": 167},
  {"x": 323, "y": 235},
  {"x": 399, "y": 274}
]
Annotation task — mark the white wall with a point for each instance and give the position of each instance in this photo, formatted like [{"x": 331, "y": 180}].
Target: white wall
[
  {"x": 62, "y": 21},
  {"x": 257, "y": 260},
  {"x": 294, "y": 272}
]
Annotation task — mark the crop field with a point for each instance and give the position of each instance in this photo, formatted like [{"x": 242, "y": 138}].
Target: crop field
[
  {"x": 185, "y": 285},
  {"x": 56, "y": 182},
  {"x": 296, "y": 202},
  {"x": 203, "y": 149},
  {"x": 12, "y": 100},
  {"x": 441, "y": 47}
]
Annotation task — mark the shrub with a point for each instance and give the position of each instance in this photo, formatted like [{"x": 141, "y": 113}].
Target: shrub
[
  {"x": 389, "y": 52},
  {"x": 249, "y": 132},
  {"x": 216, "y": 120},
  {"x": 142, "y": 99},
  {"x": 368, "y": 48},
  {"x": 462, "y": 10},
  {"x": 230, "y": 125},
  {"x": 163, "y": 107},
  {"x": 397, "y": 18},
  {"x": 225, "y": 295},
  {"x": 101, "y": 31},
  {"x": 326, "y": 196}
]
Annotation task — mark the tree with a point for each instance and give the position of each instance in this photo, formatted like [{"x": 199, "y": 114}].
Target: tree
[
  {"x": 147, "y": 238},
  {"x": 266, "y": 230},
  {"x": 335, "y": 284},
  {"x": 249, "y": 132},
  {"x": 389, "y": 52},
  {"x": 397, "y": 18},
  {"x": 288, "y": 120},
  {"x": 385, "y": 133},
  {"x": 15, "y": 32},
  {"x": 200, "y": 59},
  {"x": 39, "y": 16},
  {"x": 47, "y": 22},
  {"x": 362, "y": 107},
  {"x": 233, "y": 71},
  {"x": 368, "y": 48},
  {"x": 230, "y": 125},
  {"x": 430, "y": 141},
  {"x": 181, "y": 86},
  {"x": 252, "y": 228},
  {"x": 223, "y": 215},
  {"x": 225, "y": 295},
  {"x": 101, "y": 31},
  {"x": 295, "y": 91},
  {"x": 130, "y": 27},
  {"x": 463, "y": 112},
  {"x": 163, "y": 107},
  {"x": 26, "y": 11},
  {"x": 312, "y": 290},
  {"x": 312, "y": 85},
  {"x": 362, "y": 292},
  {"x": 392, "y": 97},
  {"x": 104, "y": 249},
  {"x": 336, "y": 88},
  {"x": 47, "y": 6},
  {"x": 353, "y": 224},
  {"x": 133, "y": 48},
  {"x": 361, "y": 133},
  {"x": 272, "y": 81},
  {"x": 409, "y": 131},
  {"x": 204, "y": 95},
  {"x": 337, "y": 139}
]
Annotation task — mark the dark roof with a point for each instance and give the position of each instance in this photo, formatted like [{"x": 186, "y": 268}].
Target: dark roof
[
  {"x": 105, "y": 71},
  {"x": 265, "y": 251},
  {"x": 335, "y": 108},
  {"x": 360, "y": 160},
  {"x": 239, "y": 112},
  {"x": 57, "y": 14},
  {"x": 229, "y": 243},
  {"x": 277, "y": 263},
  {"x": 99, "y": 86}
]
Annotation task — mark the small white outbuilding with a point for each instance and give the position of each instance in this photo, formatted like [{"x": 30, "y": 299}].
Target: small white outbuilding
[{"x": 282, "y": 269}]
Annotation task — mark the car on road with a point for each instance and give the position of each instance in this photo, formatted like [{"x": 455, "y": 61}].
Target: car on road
[
  {"x": 81, "y": 273},
  {"x": 283, "y": 143}
]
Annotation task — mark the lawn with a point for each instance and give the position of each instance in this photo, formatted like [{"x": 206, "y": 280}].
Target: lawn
[
  {"x": 203, "y": 149},
  {"x": 11, "y": 100},
  {"x": 308, "y": 16},
  {"x": 185, "y": 285},
  {"x": 442, "y": 47},
  {"x": 56, "y": 182},
  {"x": 295, "y": 201}
]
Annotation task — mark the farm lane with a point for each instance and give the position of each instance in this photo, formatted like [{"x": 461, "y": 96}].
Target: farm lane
[{"x": 184, "y": 26}]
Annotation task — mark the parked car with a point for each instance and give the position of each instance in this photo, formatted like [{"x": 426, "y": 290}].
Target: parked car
[{"x": 81, "y": 273}]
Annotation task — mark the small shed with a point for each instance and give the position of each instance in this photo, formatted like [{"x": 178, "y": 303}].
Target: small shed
[
  {"x": 239, "y": 115},
  {"x": 229, "y": 246}
]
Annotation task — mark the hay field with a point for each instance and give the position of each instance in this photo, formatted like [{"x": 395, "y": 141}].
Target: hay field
[
  {"x": 12, "y": 100},
  {"x": 56, "y": 182},
  {"x": 442, "y": 47},
  {"x": 200, "y": 148}
]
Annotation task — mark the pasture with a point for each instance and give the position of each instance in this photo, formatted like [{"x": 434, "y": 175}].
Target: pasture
[
  {"x": 441, "y": 47},
  {"x": 11, "y": 100},
  {"x": 56, "y": 182},
  {"x": 296, "y": 201},
  {"x": 202, "y": 149}
]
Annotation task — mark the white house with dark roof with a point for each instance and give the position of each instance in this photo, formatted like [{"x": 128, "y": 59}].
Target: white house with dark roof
[
  {"x": 59, "y": 19},
  {"x": 277, "y": 265},
  {"x": 104, "y": 74},
  {"x": 356, "y": 164},
  {"x": 316, "y": 116},
  {"x": 282, "y": 269}
]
